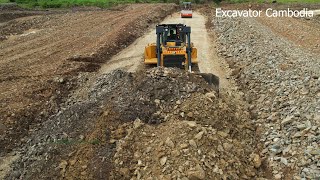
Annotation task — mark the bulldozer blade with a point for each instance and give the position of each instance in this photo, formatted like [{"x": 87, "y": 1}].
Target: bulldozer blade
[{"x": 212, "y": 80}]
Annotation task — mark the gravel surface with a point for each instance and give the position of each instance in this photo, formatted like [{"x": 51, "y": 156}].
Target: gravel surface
[{"x": 281, "y": 81}]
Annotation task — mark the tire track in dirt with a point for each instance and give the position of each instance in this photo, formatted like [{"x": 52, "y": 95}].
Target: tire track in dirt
[
  {"x": 72, "y": 41},
  {"x": 68, "y": 34},
  {"x": 32, "y": 66},
  {"x": 87, "y": 23}
]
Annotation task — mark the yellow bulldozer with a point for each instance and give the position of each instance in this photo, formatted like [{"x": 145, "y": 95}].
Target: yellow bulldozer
[{"x": 173, "y": 48}]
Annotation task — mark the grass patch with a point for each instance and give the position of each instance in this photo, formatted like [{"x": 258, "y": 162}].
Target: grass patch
[{"x": 4, "y": 1}]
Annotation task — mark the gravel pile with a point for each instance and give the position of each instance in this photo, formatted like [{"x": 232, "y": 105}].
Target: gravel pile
[
  {"x": 163, "y": 122},
  {"x": 197, "y": 135},
  {"x": 137, "y": 98},
  {"x": 48, "y": 150},
  {"x": 282, "y": 82}
]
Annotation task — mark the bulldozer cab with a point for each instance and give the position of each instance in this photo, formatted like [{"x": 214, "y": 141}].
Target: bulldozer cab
[
  {"x": 173, "y": 39},
  {"x": 173, "y": 35},
  {"x": 173, "y": 48}
]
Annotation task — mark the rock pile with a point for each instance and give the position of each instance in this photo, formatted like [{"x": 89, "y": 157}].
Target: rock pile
[
  {"x": 200, "y": 136},
  {"x": 144, "y": 95},
  {"x": 282, "y": 82},
  {"x": 161, "y": 123}
]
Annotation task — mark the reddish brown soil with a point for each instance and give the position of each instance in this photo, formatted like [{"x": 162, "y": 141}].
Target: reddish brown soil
[
  {"x": 301, "y": 32},
  {"x": 41, "y": 56}
]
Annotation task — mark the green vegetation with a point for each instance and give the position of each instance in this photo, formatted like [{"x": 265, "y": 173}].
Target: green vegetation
[{"x": 4, "y": 1}]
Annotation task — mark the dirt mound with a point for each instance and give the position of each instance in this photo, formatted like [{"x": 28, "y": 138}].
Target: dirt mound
[
  {"x": 200, "y": 137},
  {"x": 141, "y": 98},
  {"x": 110, "y": 133}
]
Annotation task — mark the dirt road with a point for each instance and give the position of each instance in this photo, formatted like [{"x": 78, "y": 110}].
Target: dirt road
[{"x": 131, "y": 58}]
